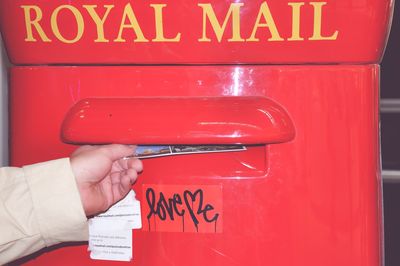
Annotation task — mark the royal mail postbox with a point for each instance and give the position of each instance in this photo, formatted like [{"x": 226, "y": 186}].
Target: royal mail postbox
[{"x": 295, "y": 83}]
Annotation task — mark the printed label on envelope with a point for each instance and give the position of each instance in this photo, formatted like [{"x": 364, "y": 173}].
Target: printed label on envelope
[
  {"x": 123, "y": 215},
  {"x": 175, "y": 208},
  {"x": 110, "y": 233},
  {"x": 110, "y": 245}
]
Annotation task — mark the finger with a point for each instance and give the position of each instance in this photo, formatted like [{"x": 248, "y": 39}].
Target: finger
[
  {"x": 132, "y": 163},
  {"x": 118, "y": 151},
  {"x": 132, "y": 175},
  {"x": 118, "y": 167},
  {"x": 128, "y": 176},
  {"x": 121, "y": 189},
  {"x": 123, "y": 163},
  {"x": 116, "y": 177},
  {"x": 83, "y": 149},
  {"x": 137, "y": 165}
]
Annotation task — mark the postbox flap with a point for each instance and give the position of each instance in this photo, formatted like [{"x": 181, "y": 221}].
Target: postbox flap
[
  {"x": 177, "y": 120},
  {"x": 193, "y": 32}
]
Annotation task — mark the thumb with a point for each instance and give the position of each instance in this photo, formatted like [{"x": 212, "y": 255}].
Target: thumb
[{"x": 118, "y": 151}]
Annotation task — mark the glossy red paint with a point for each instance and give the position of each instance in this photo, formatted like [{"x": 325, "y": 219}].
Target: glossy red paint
[
  {"x": 172, "y": 31},
  {"x": 312, "y": 201},
  {"x": 178, "y": 120}
]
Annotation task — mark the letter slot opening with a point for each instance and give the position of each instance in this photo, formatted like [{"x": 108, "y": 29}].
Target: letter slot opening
[{"x": 252, "y": 122}]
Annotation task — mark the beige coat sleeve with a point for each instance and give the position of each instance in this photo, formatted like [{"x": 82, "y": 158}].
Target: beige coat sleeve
[{"x": 39, "y": 206}]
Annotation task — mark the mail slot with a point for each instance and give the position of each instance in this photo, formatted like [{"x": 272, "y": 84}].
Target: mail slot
[
  {"x": 289, "y": 89},
  {"x": 212, "y": 120}
]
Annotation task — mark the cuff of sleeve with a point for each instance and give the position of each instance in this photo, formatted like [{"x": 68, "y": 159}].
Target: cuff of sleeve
[{"x": 56, "y": 202}]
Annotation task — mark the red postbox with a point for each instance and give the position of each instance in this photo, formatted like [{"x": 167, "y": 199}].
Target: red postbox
[{"x": 297, "y": 83}]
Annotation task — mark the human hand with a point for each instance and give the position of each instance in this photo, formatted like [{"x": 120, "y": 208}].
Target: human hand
[{"x": 103, "y": 176}]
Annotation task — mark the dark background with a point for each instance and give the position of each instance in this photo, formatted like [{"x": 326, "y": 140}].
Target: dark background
[{"x": 390, "y": 125}]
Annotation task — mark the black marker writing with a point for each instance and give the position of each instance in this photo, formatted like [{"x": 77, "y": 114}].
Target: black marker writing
[{"x": 179, "y": 206}]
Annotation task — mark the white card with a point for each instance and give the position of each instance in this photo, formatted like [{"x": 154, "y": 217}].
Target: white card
[
  {"x": 110, "y": 233},
  {"x": 122, "y": 216},
  {"x": 111, "y": 245}
]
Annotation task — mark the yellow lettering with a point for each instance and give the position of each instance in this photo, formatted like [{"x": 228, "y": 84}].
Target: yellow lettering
[
  {"x": 317, "y": 35},
  {"x": 99, "y": 21},
  {"x": 79, "y": 22},
  {"x": 296, "y": 21},
  {"x": 133, "y": 24},
  {"x": 30, "y": 23},
  {"x": 159, "y": 25},
  {"x": 269, "y": 23},
  {"x": 234, "y": 12}
]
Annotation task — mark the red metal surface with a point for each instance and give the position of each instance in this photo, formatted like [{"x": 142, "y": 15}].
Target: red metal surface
[
  {"x": 312, "y": 201},
  {"x": 178, "y": 120},
  {"x": 187, "y": 31}
]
